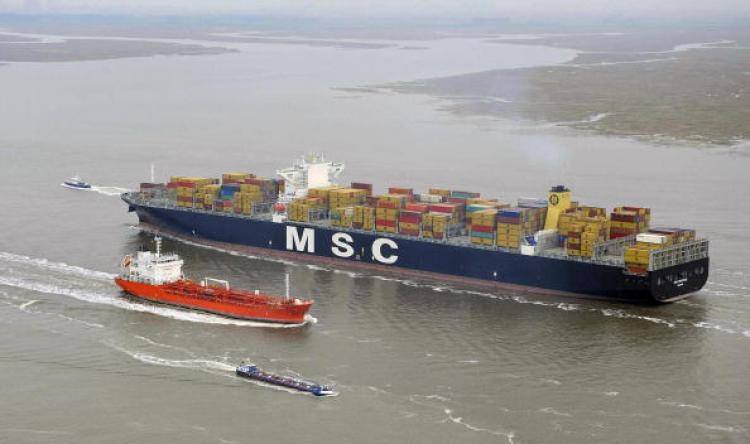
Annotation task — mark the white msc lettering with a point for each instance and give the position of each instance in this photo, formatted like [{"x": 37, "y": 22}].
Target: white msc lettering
[
  {"x": 341, "y": 245},
  {"x": 378, "y": 254},
  {"x": 300, "y": 243}
]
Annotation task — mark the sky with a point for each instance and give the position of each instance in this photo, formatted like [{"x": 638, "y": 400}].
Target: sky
[{"x": 392, "y": 8}]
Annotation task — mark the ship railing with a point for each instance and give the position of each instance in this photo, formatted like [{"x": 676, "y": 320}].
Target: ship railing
[
  {"x": 678, "y": 254},
  {"x": 613, "y": 247}
]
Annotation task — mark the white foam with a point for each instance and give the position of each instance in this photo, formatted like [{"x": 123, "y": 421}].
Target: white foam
[
  {"x": 27, "y": 304},
  {"x": 720, "y": 428},
  {"x": 551, "y": 411},
  {"x": 459, "y": 420},
  {"x": 623, "y": 315},
  {"x": 437, "y": 397},
  {"x": 56, "y": 266},
  {"x": 116, "y": 301},
  {"x": 108, "y": 191},
  {"x": 712, "y": 326},
  {"x": 201, "y": 364}
]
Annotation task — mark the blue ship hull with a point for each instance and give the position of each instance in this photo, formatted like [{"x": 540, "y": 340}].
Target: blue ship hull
[{"x": 439, "y": 260}]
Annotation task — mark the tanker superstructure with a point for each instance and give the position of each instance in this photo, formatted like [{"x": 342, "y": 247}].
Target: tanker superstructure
[{"x": 551, "y": 245}]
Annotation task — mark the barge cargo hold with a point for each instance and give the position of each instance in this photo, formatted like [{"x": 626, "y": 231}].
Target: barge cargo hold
[{"x": 587, "y": 262}]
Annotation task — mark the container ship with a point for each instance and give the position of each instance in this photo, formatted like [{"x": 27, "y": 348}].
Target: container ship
[
  {"x": 158, "y": 277},
  {"x": 551, "y": 245}
]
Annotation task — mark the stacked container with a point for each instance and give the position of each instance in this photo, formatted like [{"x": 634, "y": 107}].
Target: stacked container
[
  {"x": 306, "y": 209},
  {"x": 342, "y": 216},
  {"x": 637, "y": 257},
  {"x": 346, "y": 197},
  {"x": 386, "y": 220},
  {"x": 464, "y": 195},
  {"x": 363, "y": 218},
  {"x": 149, "y": 190},
  {"x": 210, "y": 194},
  {"x": 401, "y": 191},
  {"x": 627, "y": 221},
  {"x": 394, "y": 201},
  {"x": 228, "y": 178},
  {"x": 511, "y": 226},
  {"x": 435, "y": 225},
  {"x": 537, "y": 212},
  {"x": 363, "y": 186},
  {"x": 583, "y": 234},
  {"x": 444, "y": 193},
  {"x": 322, "y": 193},
  {"x": 472, "y": 208},
  {"x": 409, "y": 222},
  {"x": 483, "y": 226},
  {"x": 226, "y": 196},
  {"x": 454, "y": 211},
  {"x": 675, "y": 235},
  {"x": 268, "y": 188},
  {"x": 429, "y": 198},
  {"x": 186, "y": 189}
]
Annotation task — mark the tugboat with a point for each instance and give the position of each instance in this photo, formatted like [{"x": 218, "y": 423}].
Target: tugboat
[
  {"x": 251, "y": 371},
  {"x": 158, "y": 277},
  {"x": 76, "y": 183}
]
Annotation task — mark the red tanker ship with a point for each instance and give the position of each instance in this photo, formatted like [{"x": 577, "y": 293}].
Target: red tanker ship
[{"x": 158, "y": 277}]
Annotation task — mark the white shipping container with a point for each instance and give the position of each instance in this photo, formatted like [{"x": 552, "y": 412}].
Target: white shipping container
[
  {"x": 652, "y": 238},
  {"x": 429, "y": 198}
]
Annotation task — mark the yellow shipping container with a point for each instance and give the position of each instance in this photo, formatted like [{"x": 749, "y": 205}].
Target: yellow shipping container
[{"x": 440, "y": 192}]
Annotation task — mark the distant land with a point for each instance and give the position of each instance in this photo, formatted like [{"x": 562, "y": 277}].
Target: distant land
[
  {"x": 97, "y": 49},
  {"x": 641, "y": 83},
  {"x": 669, "y": 83}
]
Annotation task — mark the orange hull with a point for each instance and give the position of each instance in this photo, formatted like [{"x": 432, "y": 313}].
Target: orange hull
[{"x": 232, "y": 303}]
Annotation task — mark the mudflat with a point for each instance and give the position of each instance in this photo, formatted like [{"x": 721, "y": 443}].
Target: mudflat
[
  {"x": 98, "y": 49},
  {"x": 671, "y": 86}
]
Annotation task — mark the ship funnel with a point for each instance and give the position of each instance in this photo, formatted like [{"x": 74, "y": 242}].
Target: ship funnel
[{"x": 557, "y": 202}]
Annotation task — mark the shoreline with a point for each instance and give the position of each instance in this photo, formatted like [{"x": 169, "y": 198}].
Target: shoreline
[{"x": 689, "y": 94}]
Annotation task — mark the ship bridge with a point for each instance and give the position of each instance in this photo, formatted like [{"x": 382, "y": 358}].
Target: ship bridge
[{"x": 311, "y": 171}]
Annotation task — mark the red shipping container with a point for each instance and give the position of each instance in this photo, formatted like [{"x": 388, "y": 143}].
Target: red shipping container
[
  {"x": 172, "y": 185},
  {"x": 410, "y": 232},
  {"x": 619, "y": 217},
  {"x": 458, "y": 200},
  {"x": 482, "y": 228},
  {"x": 443, "y": 207},
  {"x": 256, "y": 181},
  {"x": 419, "y": 207},
  {"x": 385, "y": 223},
  {"x": 407, "y": 216},
  {"x": 363, "y": 186},
  {"x": 387, "y": 204},
  {"x": 401, "y": 191}
]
